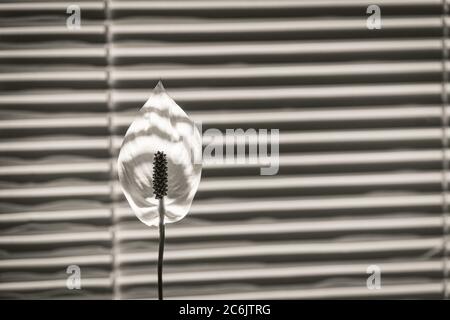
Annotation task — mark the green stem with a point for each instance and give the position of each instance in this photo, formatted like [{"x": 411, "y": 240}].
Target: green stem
[{"x": 161, "y": 247}]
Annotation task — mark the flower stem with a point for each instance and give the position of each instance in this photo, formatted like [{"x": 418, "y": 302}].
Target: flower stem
[{"x": 161, "y": 247}]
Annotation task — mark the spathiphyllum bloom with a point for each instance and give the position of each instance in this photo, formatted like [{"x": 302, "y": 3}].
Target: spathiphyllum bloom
[{"x": 161, "y": 126}]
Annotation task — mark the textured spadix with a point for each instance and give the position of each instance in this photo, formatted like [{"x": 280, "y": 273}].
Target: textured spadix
[{"x": 163, "y": 126}]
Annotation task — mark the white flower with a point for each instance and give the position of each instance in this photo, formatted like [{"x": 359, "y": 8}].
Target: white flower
[{"x": 160, "y": 126}]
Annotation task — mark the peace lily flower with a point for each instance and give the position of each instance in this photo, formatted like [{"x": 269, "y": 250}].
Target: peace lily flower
[{"x": 161, "y": 126}]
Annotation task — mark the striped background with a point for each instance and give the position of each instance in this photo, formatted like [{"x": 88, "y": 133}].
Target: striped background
[{"x": 363, "y": 166}]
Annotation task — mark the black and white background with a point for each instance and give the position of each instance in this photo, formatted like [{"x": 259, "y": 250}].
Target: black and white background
[{"x": 362, "y": 114}]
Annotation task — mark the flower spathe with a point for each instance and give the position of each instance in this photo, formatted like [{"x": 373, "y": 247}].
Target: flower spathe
[{"x": 161, "y": 126}]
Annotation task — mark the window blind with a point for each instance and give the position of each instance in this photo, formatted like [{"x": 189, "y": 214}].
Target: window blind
[{"x": 363, "y": 176}]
